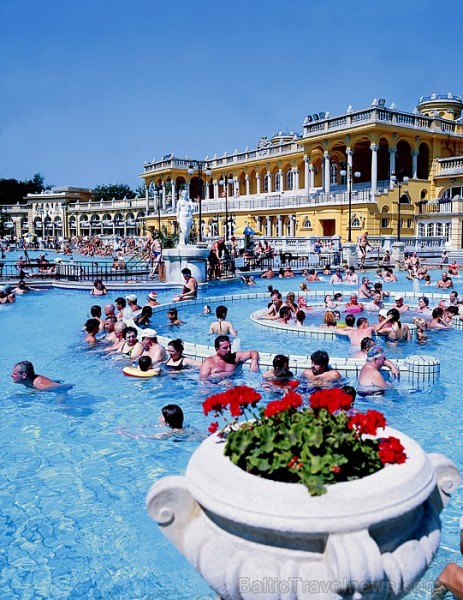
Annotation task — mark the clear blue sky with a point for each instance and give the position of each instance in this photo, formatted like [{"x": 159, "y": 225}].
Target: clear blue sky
[{"x": 92, "y": 90}]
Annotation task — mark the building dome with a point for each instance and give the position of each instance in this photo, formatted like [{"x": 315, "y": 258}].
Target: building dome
[{"x": 447, "y": 106}]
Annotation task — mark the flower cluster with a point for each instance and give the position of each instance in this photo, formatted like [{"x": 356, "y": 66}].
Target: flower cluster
[
  {"x": 331, "y": 400},
  {"x": 290, "y": 400},
  {"x": 237, "y": 399},
  {"x": 316, "y": 444}
]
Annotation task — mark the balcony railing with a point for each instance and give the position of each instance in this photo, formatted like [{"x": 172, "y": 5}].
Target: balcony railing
[{"x": 450, "y": 166}]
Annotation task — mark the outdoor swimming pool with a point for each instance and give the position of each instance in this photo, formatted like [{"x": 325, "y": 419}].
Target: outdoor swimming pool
[{"x": 72, "y": 506}]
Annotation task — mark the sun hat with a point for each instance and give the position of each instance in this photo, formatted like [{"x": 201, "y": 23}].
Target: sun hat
[
  {"x": 383, "y": 313},
  {"x": 131, "y": 297},
  {"x": 398, "y": 297},
  {"x": 374, "y": 352},
  {"x": 152, "y": 296},
  {"x": 148, "y": 333}
]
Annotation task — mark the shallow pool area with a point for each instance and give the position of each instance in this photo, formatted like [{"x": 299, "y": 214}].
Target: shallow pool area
[{"x": 73, "y": 501}]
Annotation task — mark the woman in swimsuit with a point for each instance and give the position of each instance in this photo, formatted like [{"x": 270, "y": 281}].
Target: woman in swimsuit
[
  {"x": 222, "y": 326},
  {"x": 176, "y": 360},
  {"x": 131, "y": 346},
  {"x": 393, "y": 329}
]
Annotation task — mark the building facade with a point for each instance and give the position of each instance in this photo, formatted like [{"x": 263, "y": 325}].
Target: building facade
[{"x": 339, "y": 176}]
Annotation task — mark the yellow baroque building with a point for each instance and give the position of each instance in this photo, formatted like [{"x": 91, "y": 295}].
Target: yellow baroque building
[{"x": 308, "y": 184}]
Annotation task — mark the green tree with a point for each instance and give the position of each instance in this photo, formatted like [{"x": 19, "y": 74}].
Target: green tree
[
  {"x": 13, "y": 191},
  {"x": 119, "y": 191}
]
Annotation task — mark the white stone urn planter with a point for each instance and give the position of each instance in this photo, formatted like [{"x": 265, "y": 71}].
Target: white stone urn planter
[{"x": 250, "y": 537}]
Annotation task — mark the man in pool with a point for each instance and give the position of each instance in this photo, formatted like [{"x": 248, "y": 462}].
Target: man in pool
[
  {"x": 320, "y": 373},
  {"x": 224, "y": 362},
  {"x": 23, "y": 373},
  {"x": 370, "y": 375},
  {"x": 152, "y": 347}
]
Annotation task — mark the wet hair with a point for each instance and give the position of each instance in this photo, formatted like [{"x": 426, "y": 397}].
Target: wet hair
[
  {"x": 186, "y": 271},
  {"x": 219, "y": 339},
  {"x": 145, "y": 363},
  {"x": 361, "y": 321},
  {"x": 173, "y": 312},
  {"x": 350, "y": 320},
  {"x": 177, "y": 345},
  {"x": 173, "y": 416},
  {"x": 95, "y": 310},
  {"x": 131, "y": 330},
  {"x": 452, "y": 310},
  {"x": 221, "y": 312},
  {"x": 121, "y": 301},
  {"x": 366, "y": 343},
  {"x": 146, "y": 311},
  {"x": 394, "y": 313},
  {"x": 284, "y": 311},
  {"x": 300, "y": 316},
  {"x": 350, "y": 391},
  {"x": 91, "y": 325},
  {"x": 337, "y": 296},
  {"x": 437, "y": 313},
  {"x": 425, "y": 300},
  {"x": 270, "y": 288},
  {"x": 27, "y": 367},
  {"x": 337, "y": 315},
  {"x": 280, "y": 361},
  {"x": 320, "y": 357}
]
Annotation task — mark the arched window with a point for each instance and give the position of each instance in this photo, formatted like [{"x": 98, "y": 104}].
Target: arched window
[
  {"x": 307, "y": 224},
  {"x": 333, "y": 173},
  {"x": 278, "y": 182},
  {"x": 355, "y": 222},
  {"x": 289, "y": 179},
  {"x": 438, "y": 229},
  {"x": 266, "y": 183},
  {"x": 429, "y": 229}
]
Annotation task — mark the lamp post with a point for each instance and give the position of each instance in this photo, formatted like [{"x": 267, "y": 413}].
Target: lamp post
[
  {"x": 399, "y": 180},
  {"x": 225, "y": 181},
  {"x": 347, "y": 171},
  {"x": 199, "y": 164}
]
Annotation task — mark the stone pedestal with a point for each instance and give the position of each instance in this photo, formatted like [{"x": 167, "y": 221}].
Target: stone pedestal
[
  {"x": 192, "y": 257},
  {"x": 398, "y": 251},
  {"x": 349, "y": 254}
]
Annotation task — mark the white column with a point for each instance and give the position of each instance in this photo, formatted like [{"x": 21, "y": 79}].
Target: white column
[
  {"x": 269, "y": 177},
  {"x": 307, "y": 177},
  {"x": 392, "y": 153},
  {"x": 415, "y": 164},
  {"x": 280, "y": 175},
  {"x": 326, "y": 172},
  {"x": 215, "y": 185},
  {"x": 247, "y": 179},
  {"x": 258, "y": 220},
  {"x": 295, "y": 178},
  {"x": 164, "y": 197},
  {"x": 258, "y": 182},
  {"x": 374, "y": 170},
  {"x": 174, "y": 198},
  {"x": 208, "y": 190},
  {"x": 279, "y": 226},
  {"x": 269, "y": 226},
  {"x": 292, "y": 222},
  {"x": 147, "y": 199}
]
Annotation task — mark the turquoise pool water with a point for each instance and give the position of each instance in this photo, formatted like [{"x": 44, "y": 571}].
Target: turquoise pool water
[{"x": 72, "y": 503}]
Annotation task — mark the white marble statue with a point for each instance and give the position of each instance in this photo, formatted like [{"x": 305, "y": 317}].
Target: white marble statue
[{"x": 185, "y": 211}]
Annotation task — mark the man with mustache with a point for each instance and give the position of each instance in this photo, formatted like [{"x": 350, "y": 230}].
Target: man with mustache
[{"x": 224, "y": 362}]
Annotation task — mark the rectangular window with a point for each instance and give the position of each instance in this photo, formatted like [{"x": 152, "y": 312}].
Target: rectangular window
[{"x": 384, "y": 223}]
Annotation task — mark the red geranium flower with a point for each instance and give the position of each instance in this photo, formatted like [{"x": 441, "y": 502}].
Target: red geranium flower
[
  {"x": 331, "y": 400},
  {"x": 367, "y": 423},
  {"x": 391, "y": 451},
  {"x": 291, "y": 400},
  {"x": 213, "y": 427}
]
